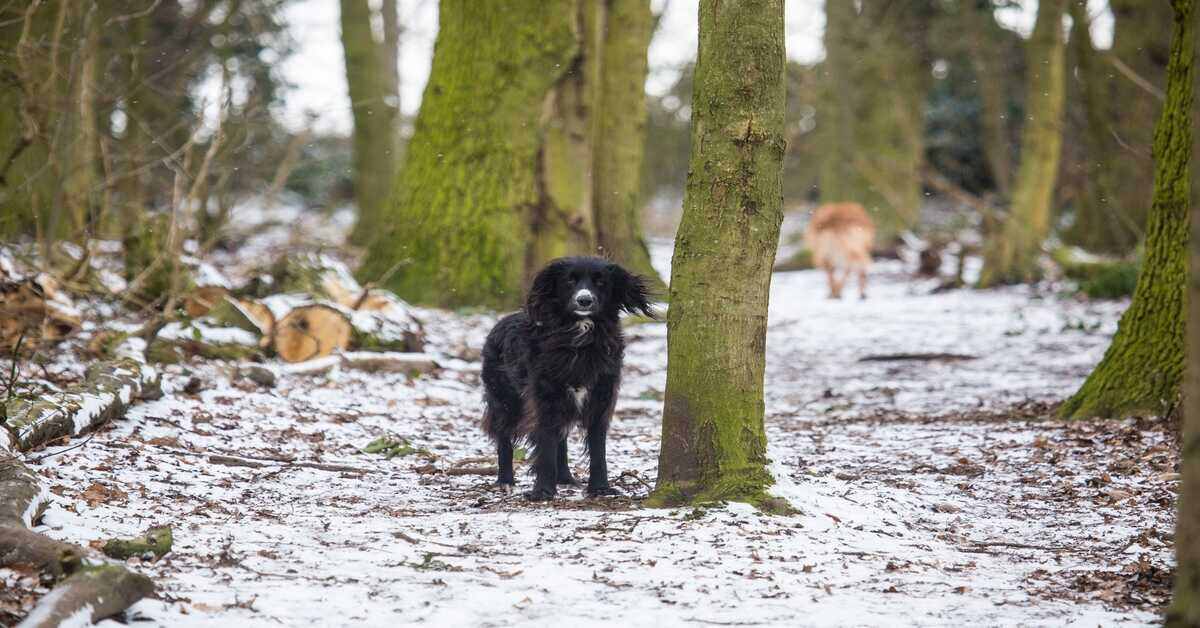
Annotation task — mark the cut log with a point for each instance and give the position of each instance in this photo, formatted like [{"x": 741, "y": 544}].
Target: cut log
[
  {"x": 203, "y": 299},
  {"x": 109, "y": 387},
  {"x": 311, "y": 331},
  {"x": 36, "y": 309},
  {"x": 22, "y": 499},
  {"x": 93, "y": 593},
  {"x": 318, "y": 275},
  {"x": 155, "y": 542}
]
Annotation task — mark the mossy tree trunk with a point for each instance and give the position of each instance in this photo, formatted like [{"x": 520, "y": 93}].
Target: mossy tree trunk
[
  {"x": 1143, "y": 367},
  {"x": 505, "y": 163},
  {"x": 1184, "y": 611},
  {"x": 713, "y": 442},
  {"x": 620, "y": 136},
  {"x": 872, "y": 123},
  {"x": 1011, "y": 252},
  {"x": 371, "y": 80},
  {"x": 1102, "y": 225}
]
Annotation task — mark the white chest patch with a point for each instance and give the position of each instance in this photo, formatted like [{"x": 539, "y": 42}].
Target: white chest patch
[
  {"x": 583, "y": 326},
  {"x": 581, "y": 395}
]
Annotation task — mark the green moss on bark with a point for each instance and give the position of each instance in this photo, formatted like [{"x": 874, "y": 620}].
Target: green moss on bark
[
  {"x": 714, "y": 444},
  {"x": 1143, "y": 368},
  {"x": 459, "y": 219}
]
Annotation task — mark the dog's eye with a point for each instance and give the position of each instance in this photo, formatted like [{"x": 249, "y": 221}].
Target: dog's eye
[{"x": 599, "y": 280}]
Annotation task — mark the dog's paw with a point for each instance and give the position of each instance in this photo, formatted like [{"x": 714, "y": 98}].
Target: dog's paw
[
  {"x": 569, "y": 480},
  {"x": 602, "y": 491},
  {"x": 540, "y": 495},
  {"x": 505, "y": 487}
]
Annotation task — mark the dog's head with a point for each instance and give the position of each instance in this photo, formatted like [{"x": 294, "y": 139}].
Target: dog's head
[{"x": 575, "y": 288}]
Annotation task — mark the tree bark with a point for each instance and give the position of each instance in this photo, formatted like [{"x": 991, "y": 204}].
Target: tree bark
[
  {"x": 520, "y": 152},
  {"x": 95, "y": 592},
  {"x": 1184, "y": 611},
  {"x": 372, "y": 84},
  {"x": 713, "y": 440},
  {"x": 620, "y": 136},
  {"x": 460, "y": 216},
  {"x": 1143, "y": 367},
  {"x": 985, "y": 54},
  {"x": 1011, "y": 254}
]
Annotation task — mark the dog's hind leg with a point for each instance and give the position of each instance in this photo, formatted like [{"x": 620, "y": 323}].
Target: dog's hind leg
[
  {"x": 504, "y": 455},
  {"x": 564, "y": 466}
]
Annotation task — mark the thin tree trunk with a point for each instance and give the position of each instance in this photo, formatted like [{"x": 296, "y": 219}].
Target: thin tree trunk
[
  {"x": 1143, "y": 367},
  {"x": 473, "y": 186},
  {"x": 1011, "y": 254},
  {"x": 1101, "y": 224},
  {"x": 620, "y": 136},
  {"x": 713, "y": 441},
  {"x": 372, "y": 89},
  {"x": 985, "y": 53}
]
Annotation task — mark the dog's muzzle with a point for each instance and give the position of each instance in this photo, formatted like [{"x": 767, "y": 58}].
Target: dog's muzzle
[{"x": 583, "y": 302}]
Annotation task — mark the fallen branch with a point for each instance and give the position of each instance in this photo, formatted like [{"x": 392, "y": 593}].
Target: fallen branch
[
  {"x": 386, "y": 362},
  {"x": 471, "y": 471},
  {"x": 156, "y": 541},
  {"x": 235, "y": 461},
  {"x": 927, "y": 357}
]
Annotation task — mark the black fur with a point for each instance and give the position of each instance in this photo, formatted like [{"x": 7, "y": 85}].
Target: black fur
[{"x": 534, "y": 361}]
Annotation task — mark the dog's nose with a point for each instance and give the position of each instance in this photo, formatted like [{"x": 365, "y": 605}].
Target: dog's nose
[{"x": 584, "y": 300}]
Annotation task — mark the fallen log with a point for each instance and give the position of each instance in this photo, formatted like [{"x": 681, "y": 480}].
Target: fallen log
[
  {"x": 387, "y": 362},
  {"x": 311, "y": 331},
  {"x": 91, "y": 590},
  {"x": 177, "y": 341},
  {"x": 93, "y": 593},
  {"x": 108, "y": 388}
]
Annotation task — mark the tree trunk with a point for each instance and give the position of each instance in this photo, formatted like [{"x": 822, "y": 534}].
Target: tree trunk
[
  {"x": 372, "y": 92},
  {"x": 1143, "y": 367},
  {"x": 713, "y": 444},
  {"x": 620, "y": 136},
  {"x": 1102, "y": 225},
  {"x": 460, "y": 217},
  {"x": 872, "y": 111},
  {"x": 986, "y": 54},
  {"x": 1011, "y": 254},
  {"x": 1184, "y": 611},
  {"x": 506, "y": 163}
]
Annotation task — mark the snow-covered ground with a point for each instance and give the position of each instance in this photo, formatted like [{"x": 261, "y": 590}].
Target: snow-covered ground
[{"x": 929, "y": 492}]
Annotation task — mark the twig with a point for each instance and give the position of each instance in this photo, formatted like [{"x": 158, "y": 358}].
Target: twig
[
  {"x": 471, "y": 471},
  {"x": 928, "y": 357},
  {"x": 65, "y": 449}
]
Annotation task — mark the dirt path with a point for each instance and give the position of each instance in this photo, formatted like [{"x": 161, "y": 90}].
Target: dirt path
[{"x": 931, "y": 492}]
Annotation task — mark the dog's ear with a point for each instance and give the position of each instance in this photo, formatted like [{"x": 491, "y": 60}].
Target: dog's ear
[
  {"x": 539, "y": 304},
  {"x": 631, "y": 292}
]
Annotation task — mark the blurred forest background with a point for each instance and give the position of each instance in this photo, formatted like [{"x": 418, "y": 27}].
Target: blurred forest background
[{"x": 149, "y": 122}]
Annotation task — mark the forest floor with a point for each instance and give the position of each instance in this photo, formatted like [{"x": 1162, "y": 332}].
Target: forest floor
[{"x": 929, "y": 492}]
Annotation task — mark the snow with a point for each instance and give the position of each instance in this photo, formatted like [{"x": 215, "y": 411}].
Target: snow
[{"x": 928, "y": 492}]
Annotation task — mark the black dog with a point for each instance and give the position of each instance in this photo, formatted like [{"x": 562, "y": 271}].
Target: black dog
[{"x": 557, "y": 364}]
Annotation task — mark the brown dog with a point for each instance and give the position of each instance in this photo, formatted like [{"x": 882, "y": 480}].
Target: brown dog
[{"x": 840, "y": 236}]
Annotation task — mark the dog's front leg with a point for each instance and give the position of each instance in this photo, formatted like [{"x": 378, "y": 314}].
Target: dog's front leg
[
  {"x": 551, "y": 409},
  {"x": 600, "y": 415}
]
